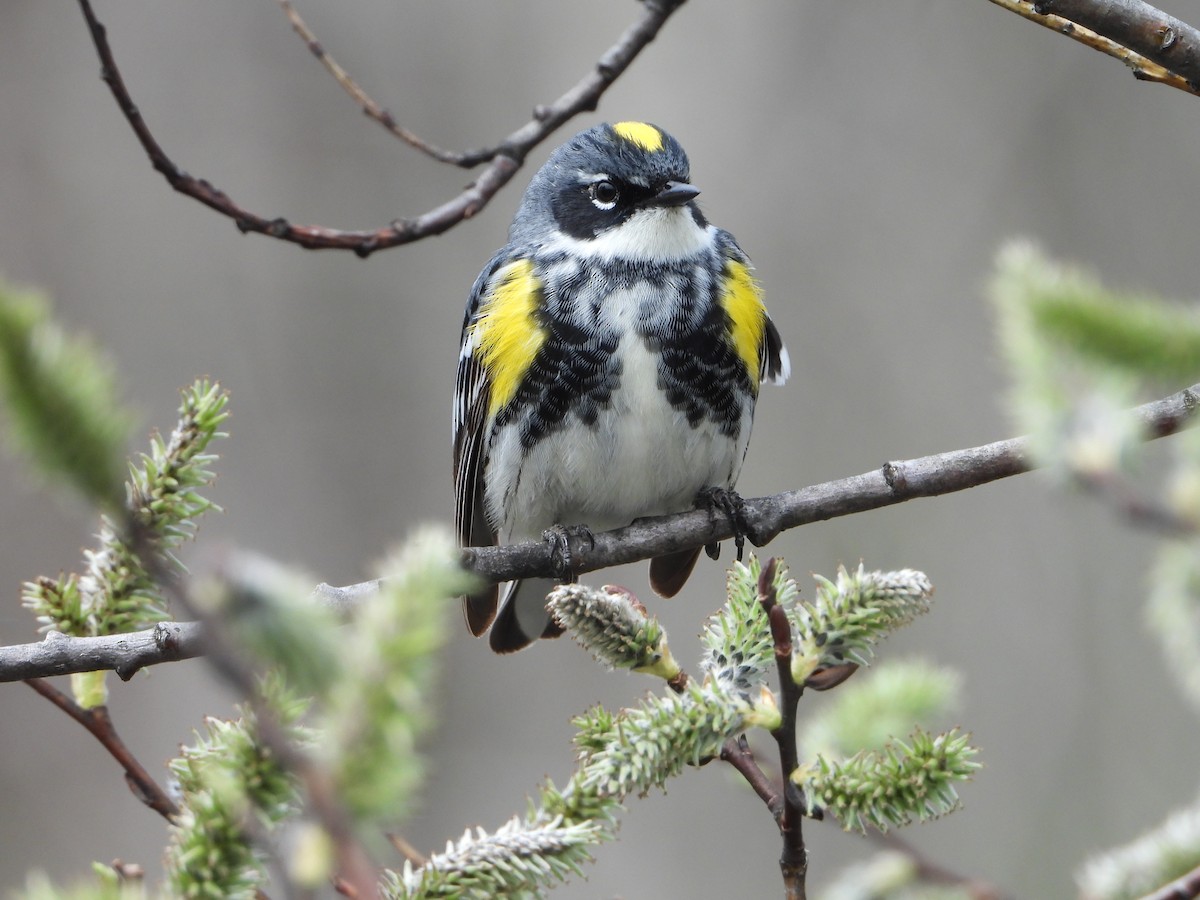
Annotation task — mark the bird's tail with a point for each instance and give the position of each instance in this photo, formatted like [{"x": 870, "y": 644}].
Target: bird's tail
[{"x": 523, "y": 618}]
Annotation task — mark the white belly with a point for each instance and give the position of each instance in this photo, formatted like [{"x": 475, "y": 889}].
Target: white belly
[{"x": 641, "y": 458}]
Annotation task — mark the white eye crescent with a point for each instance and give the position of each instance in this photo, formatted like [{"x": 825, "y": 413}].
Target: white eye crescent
[{"x": 604, "y": 194}]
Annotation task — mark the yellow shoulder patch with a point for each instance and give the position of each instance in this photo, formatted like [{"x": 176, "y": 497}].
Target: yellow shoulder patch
[
  {"x": 506, "y": 331},
  {"x": 645, "y": 136},
  {"x": 742, "y": 299}
]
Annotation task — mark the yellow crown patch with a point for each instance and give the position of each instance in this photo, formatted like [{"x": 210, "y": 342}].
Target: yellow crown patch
[{"x": 645, "y": 136}]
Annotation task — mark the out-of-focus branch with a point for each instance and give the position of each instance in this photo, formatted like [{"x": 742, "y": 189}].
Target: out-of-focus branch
[
  {"x": 1185, "y": 887},
  {"x": 356, "y": 874},
  {"x": 1156, "y": 46},
  {"x": 931, "y": 872},
  {"x": 503, "y": 160},
  {"x": 892, "y": 483},
  {"x": 1138, "y": 509}
]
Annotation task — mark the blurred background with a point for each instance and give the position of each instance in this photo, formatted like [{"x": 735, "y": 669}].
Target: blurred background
[{"x": 870, "y": 157}]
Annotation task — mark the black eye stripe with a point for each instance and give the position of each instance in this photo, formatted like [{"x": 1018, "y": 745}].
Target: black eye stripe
[{"x": 584, "y": 208}]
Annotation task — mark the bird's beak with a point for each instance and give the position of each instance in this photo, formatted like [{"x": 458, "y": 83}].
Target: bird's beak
[{"x": 675, "y": 193}]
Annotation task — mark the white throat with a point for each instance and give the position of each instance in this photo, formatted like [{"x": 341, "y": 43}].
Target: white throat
[{"x": 656, "y": 234}]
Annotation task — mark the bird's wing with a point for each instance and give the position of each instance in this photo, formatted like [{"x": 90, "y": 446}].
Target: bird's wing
[{"x": 472, "y": 397}]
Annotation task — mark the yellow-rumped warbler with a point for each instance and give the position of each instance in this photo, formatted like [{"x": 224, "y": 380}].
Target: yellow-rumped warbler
[{"x": 611, "y": 357}]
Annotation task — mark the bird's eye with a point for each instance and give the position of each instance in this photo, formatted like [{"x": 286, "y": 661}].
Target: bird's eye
[{"x": 604, "y": 194}]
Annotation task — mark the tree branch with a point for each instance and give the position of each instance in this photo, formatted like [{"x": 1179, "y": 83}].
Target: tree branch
[
  {"x": 1156, "y": 46},
  {"x": 892, "y": 483},
  {"x": 1144, "y": 29},
  {"x": 124, "y": 654},
  {"x": 503, "y": 160}
]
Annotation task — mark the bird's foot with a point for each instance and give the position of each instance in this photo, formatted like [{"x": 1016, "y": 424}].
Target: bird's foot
[
  {"x": 565, "y": 542},
  {"x": 729, "y": 503}
]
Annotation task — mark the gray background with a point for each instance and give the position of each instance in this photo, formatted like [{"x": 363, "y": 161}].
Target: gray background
[{"x": 870, "y": 157}]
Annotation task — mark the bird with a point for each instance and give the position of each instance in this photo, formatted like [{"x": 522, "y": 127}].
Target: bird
[{"x": 610, "y": 359}]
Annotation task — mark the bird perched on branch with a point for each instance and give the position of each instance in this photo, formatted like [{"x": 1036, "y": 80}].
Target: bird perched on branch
[{"x": 611, "y": 357}]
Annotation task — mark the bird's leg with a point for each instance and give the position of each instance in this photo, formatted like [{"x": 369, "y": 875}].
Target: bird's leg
[
  {"x": 729, "y": 503},
  {"x": 559, "y": 537}
]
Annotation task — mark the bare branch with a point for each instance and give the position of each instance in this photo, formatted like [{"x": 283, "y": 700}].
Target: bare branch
[
  {"x": 893, "y": 482},
  {"x": 503, "y": 160},
  {"x": 1156, "y": 46},
  {"x": 370, "y": 107},
  {"x": 1144, "y": 29},
  {"x": 736, "y": 751},
  {"x": 124, "y": 654}
]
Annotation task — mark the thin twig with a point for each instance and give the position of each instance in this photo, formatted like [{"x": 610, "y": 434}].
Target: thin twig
[
  {"x": 894, "y": 482},
  {"x": 504, "y": 160},
  {"x": 99, "y": 723},
  {"x": 370, "y": 107},
  {"x": 736, "y": 752},
  {"x": 793, "y": 861},
  {"x": 1155, "y": 46}
]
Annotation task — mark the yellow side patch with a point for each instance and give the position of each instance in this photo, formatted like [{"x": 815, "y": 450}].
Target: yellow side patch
[
  {"x": 742, "y": 299},
  {"x": 645, "y": 136},
  {"x": 506, "y": 332}
]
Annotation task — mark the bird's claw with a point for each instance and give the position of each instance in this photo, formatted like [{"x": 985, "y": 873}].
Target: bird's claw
[
  {"x": 729, "y": 503},
  {"x": 560, "y": 538}
]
